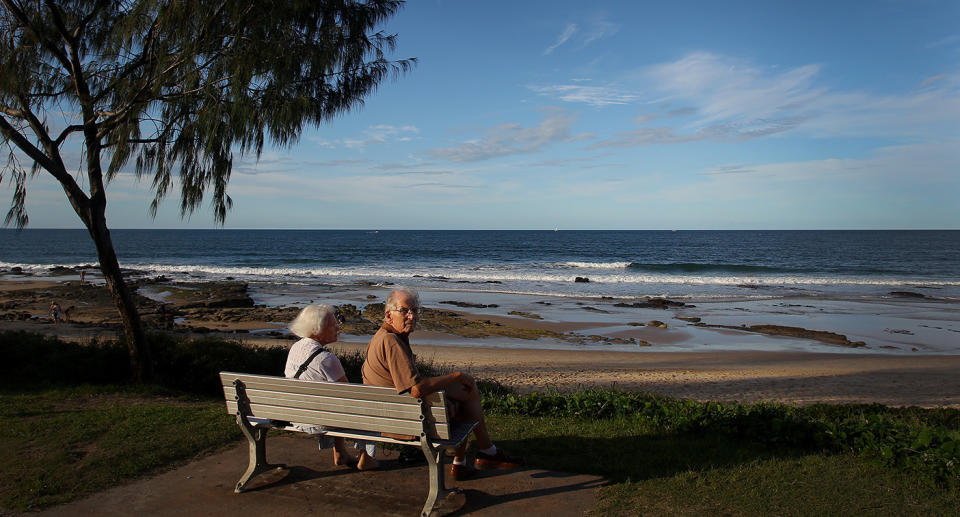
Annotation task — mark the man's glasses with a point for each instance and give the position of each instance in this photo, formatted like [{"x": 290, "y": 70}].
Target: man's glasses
[{"x": 405, "y": 311}]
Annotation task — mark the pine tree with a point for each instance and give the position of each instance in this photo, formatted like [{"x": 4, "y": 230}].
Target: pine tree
[{"x": 171, "y": 90}]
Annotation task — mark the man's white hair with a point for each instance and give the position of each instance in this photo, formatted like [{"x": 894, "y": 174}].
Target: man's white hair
[
  {"x": 312, "y": 320},
  {"x": 391, "y": 303}
]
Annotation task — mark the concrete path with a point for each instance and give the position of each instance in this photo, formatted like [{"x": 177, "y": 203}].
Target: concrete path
[{"x": 313, "y": 486}]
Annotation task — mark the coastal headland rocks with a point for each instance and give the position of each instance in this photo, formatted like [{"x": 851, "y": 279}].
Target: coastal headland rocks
[{"x": 227, "y": 307}]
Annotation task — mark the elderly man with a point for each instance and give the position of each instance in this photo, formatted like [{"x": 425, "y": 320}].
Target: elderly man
[{"x": 391, "y": 363}]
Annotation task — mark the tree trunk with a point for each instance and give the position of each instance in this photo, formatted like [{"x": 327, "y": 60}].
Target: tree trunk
[{"x": 141, "y": 363}]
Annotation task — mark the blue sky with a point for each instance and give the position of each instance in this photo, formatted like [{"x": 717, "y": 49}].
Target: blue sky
[{"x": 620, "y": 115}]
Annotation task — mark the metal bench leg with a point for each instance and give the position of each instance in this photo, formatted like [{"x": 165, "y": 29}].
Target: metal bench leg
[
  {"x": 438, "y": 489},
  {"x": 257, "y": 441}
]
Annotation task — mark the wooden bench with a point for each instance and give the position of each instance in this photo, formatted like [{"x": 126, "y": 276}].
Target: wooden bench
[{"x": 357, "y": 411}]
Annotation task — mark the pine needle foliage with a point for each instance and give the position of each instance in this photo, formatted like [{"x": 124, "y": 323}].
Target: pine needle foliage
[
  {"x": 170, "y": 90},
  {"x": 177, "y": 87}
]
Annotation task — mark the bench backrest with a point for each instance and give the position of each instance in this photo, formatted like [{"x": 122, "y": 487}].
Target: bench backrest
[{"x": 338, "y": 404}]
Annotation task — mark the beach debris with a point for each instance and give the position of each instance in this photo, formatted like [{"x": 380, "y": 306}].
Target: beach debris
[
  {"x": 691, "y": 319},
  {"x": 524, "y": 314},
  {"x": 657, "y": 323},
  {"x": 581, "y": 279}
]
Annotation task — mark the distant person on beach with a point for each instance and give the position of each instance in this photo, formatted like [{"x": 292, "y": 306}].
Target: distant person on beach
[
  {"x": 391, "y": 363},
  {"x": 55, "y": 312},
  {"x": 307, "y": 359}
]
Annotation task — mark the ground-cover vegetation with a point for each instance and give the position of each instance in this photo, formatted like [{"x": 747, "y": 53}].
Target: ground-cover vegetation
[
  {"x": 926, "y": 441},
  {"x": 75, "y": 427}
]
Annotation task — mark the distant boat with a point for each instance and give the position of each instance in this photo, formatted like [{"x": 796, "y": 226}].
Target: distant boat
[{"x": 556, "y": 229}]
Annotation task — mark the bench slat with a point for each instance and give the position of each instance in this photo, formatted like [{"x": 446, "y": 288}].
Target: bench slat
[
  {"x": 457, "y": 435},
  {"x": 363, "y": 423},
  {"x": 337, "y": 404},
  {"x": 366, "y": 392}
]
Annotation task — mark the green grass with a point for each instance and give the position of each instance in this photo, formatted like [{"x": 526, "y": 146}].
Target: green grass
[
  {"x": 808, "y": 485},
  {"x": 655, "y": 473},
  {"x": 62, "y": 443},
  {"x": 73, "y": 427}
]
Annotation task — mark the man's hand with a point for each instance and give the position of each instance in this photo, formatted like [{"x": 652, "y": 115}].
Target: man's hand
[
  {"x": 467, "y": 381},
  {"x": 435, "y": 384}
]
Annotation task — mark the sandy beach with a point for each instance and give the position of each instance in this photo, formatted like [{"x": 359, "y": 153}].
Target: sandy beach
[{"x": 783, "y": 373}]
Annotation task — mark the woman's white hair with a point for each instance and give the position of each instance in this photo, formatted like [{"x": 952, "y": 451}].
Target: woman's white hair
[{"x": 312, "y": 320}]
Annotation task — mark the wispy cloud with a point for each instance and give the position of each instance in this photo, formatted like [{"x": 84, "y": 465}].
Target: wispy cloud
[
  {"x": 586, "y": 32},
  {"x": 930, "y": 80},
  {"x": 373, "y": 135},
  {"x": 512, "y": 138},
  {"x": 564, "y": 161},
  {"x": 722, "y": 88},
  {"x": 729, "y": 169},
  {"x": 428, "y": 173},
  {"x": 728, "y": 99},
  {"x": 946, "y": 40},
  {"x": 731, "y": 131},
  {"x": 592, "y": 95},
  {"x": 568, "y": 31},
  {"x": 437, "y": 185},
  {"x": 598, "y": 29}
]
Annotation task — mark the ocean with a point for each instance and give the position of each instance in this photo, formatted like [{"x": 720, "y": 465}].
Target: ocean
[{"x": 677, "y": 264}]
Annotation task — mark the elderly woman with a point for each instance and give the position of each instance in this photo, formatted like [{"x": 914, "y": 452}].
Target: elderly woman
[{"x": 307, "y": 359}]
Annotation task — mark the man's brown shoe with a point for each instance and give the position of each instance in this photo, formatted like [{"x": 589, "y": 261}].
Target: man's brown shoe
[
  {"x": 500, "y": 460},
  {"x": 461, "y": 472}
]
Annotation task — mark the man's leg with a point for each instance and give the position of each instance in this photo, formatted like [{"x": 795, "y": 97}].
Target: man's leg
[{"x": 469, "y": 410}]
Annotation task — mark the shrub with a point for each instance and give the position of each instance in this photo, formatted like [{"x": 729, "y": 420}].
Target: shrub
[
  {"x": 924, "y": 440},
  {"x": 38, "y": 360}
]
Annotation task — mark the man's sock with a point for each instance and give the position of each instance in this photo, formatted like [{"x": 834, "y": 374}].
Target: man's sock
[{"x": 490, "y": 451}]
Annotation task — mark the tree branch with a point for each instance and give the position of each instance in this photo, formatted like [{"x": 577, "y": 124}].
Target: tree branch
[
  {"x": 69, "y": 130},
  {"x": 37, "y": 32},
  {"x": 54, "y": 167}
]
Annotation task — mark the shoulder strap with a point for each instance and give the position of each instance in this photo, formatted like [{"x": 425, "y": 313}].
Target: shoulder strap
[{"x": 303, "y": 367}]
